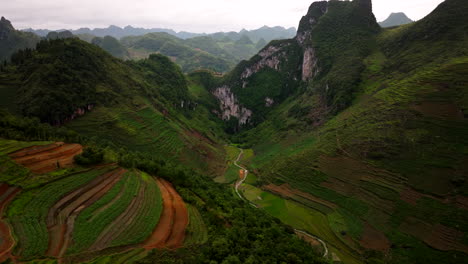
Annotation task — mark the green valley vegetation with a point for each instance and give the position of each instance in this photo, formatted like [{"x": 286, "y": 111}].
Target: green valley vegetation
[
  {"x": 351, "y": 132},
  {"x": 212, "y": 207},
  {"x": 373, "y": 146}
]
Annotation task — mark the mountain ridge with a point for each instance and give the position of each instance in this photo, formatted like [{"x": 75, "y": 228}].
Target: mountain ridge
[
  {"x": 119, "y": 32},
  {"x": 395, "y": 19}
]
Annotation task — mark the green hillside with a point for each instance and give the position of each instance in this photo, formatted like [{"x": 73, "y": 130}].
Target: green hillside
[
  {"x": 345, "y": 144},
  {"x": 143, "y": 106},
  {"x": 204, "y": 52},
  {"x": 390, "y": 166},
  {"x": 111, "y": 45},
  {"x": 186, "y": 56}
]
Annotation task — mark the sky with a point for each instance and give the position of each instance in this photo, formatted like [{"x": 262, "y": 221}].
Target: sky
[{"x": 181, "y": 15}]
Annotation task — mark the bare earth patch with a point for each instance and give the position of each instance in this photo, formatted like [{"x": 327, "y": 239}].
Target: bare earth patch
[
  {"x": 7, "y": 193},
  {"x": 170, "y": 230},
  {"x": 47, "y": 158},
  {"x": 62, "y": 215},
  {"x": 374, "y": 239}
]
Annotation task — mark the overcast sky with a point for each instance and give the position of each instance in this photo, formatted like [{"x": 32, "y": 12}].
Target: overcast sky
[{"x": 181, "y": 15}]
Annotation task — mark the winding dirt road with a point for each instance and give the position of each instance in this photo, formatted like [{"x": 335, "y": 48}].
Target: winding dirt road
[{"x": 242, "y": 179}]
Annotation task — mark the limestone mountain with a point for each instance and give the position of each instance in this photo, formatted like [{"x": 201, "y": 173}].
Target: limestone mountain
[
  {"x": 12, "y": 40},
  {"x": 111, "y": 45},
  {"x": 395, "y": 19},
  {"x": 286, "y": 67}
]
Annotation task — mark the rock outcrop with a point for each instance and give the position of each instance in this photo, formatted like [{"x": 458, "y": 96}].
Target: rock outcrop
[
  {"x": 304, "y": 38},
  {"x": 270, "y": 57},
  {"x": 80, "y": 111},
  {"x": 309, "y": 64},
  {"x": 230, "y": 107}
]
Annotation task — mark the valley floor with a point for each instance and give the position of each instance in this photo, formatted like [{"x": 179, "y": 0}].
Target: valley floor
[{"x": 304, "y": 220}]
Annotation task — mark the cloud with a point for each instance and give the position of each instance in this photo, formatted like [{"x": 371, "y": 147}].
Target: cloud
[{"x": 188, "y": 15}]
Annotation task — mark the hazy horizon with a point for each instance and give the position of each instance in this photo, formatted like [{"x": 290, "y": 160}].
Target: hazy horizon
[{"x": 205, "y": 16}]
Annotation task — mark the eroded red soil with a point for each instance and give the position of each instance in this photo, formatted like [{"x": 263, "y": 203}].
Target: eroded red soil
[
  {"x": 7, "y": 193},
  {"x": 374, "y": 239},
  {"x": 62, "y": 215},
  {"x": 180, "y": 221},
  {"x": 47, "y": 158},
  {"x": 170, "y": 230}
]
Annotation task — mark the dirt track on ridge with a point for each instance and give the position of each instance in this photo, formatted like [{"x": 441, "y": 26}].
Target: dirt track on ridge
[{"x": 170, "y": 230}]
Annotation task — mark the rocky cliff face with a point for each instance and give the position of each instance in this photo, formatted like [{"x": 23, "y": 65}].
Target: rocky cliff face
[
  {"x": 304, "y": 38},
  {"x": 80, "y": 111},
  {"x": 284, "y": 66},
  {"x": 230, "y": 106},
  {"x": 293, "y": 59},
  {"x": 270, "y": 57}
]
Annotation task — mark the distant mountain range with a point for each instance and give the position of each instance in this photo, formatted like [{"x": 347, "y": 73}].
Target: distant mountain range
[
  {"x": 265, "y": 32},
  {"x": 395, "y": 19}
]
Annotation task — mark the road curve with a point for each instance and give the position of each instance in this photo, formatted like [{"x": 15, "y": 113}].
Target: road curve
[{"x": 239, "y": 183}]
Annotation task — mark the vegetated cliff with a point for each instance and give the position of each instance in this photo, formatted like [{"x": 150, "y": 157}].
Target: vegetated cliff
[
  {"x": 325, "y": 58},
  {"x": 393, "y": 160},
  {"x": 12, "y": 40}
]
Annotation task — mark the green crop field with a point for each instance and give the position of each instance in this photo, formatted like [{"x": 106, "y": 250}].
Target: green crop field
[
  {"x": 28, "y": 212},
  {"x": 303, "y": 218},
  {"x": 121, "y": 258},
  {"x": 92, "y": 221},
  {"x": 197, "y": 232},
  {"x": 146, "y": 217},
  {"x": 232, "y": 172}
]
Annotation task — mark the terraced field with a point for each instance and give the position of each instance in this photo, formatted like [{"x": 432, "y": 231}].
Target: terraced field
[
  {"x": 7, "y": 193},
  {"x": 82, "y": 213},
  {"x": 47, "y": 158},
  {"x": 197, "y": 233},
  {"x": 170, "y": 231}
]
